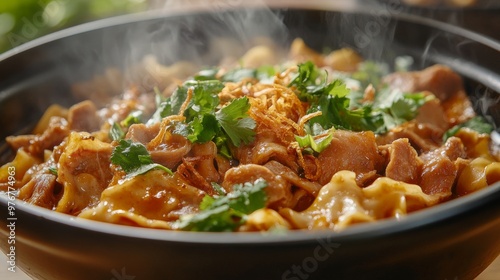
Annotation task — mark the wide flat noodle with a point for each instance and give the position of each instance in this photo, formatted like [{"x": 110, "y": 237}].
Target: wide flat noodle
[
  {"x": 342, "y": 202},
  {"x": 150, "y": 200}
]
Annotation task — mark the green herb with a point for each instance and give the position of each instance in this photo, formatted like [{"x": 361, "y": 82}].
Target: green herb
[
  {"x": 236, "y": 123},
  {"x": 477, "y": 123},
  {"x": 204, "y": 121},
  {"x": 226, "y": 212},
  {"x": 309, "y": 81},
  {"x": 132, "y": 118},
  {"x": 339, "y": 109},
  {"x": 370, "y": 72},
  {"x": 205, "y": 97},
  {"x": 53, "y": 170},
  {"x": 116, "y": 132},
  {"x": 237, "y": 75},
  {"x": 218, "y": 188},
  {"x": 396, "y": 108},
  {"x": 134, "y": 158},
  {"x": 262, "y": 73},
  {"x": 207, "y": 74},
  {"x": 203, "y": 128},
  {"x": 308, "y": 143}
]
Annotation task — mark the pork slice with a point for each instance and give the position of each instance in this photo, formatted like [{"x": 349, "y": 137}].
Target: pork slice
[
  {"x": 404, "y": 164},
  {"x": 41, "y": 190},
  {"x": 432, "y": 114},
  {"x": 56, "y": 132},
  {"x": 83, "y": 117},
  {"x": 293, "y": 178},
  {"x": 353, "y": 151},
  {"x": 169, "y": 153},
  {"x": 439, "y": 171},
  {"x": 422, "y": 137},
  {"x": 438, "y": 79}
]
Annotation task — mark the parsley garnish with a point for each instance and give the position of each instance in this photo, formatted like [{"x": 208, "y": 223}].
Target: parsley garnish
[
  {"x": 226, "y": 212},
  {"x": 134, "y": 158},
  {"x": 477, "y": 123}
]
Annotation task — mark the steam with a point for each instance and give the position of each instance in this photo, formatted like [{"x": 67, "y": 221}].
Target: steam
[{"x": 212, "y": 32}]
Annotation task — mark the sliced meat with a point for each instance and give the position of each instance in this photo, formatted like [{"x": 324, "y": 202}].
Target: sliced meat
[
  {"x": 458, "y": 108},
  {"x": 37, "y": 144},
  {"x": 199, "y": 167},
  {"x": 404, "y": 164},
  {"x": 438, "y": 79},
  {"x": 41, "y": 190},
  {"x": 266, "y": 147},
  {"x": 292, "y": 177},
  {"x": 83, "y": 117},
  {"x": 443, "y": 83},
  {"x": 300, "y": 52},
  {"x": 169, "y": 153},
  {"x": 433, "y": 115},
  {"x": 439, "y": 171},
  {"x": 422, "y": 137},
  {"x": 353, "y": 151}
]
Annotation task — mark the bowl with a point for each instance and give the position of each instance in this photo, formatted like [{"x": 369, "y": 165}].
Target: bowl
[{"x": 455, "y": 240}]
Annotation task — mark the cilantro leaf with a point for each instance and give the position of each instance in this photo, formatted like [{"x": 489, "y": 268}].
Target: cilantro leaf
[
  {"x": 477, "y": 123},
  {"x": 205, "y": 97},
  {"x": 226, "y": 213},
  {"x": 134, "y": 158},
  {"x": 203, "y": 128},
  {"x": 235, "y": 121},
  {"x": 309, "y": 81},
  {"x": 396, "y": 108}
]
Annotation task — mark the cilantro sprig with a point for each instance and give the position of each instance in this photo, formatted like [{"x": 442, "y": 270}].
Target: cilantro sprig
[
  {"x": 340, "y": 110},
  {"x": 234, "y": 120},
  {"x": 205, "y": 120},
  {"x": 226, "y": 212},
  {"x": 134, "y": 158}
]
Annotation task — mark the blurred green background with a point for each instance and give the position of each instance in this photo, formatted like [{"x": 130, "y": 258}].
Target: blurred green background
[{"x": 24, "y": 20}]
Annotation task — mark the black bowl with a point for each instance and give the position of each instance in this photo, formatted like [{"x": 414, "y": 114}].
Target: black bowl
[{"x": 455, "y": 240}]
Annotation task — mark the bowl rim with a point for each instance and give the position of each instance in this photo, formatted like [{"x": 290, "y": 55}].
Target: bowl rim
[
  {"x": 364, "y": 231},
  {"x": 334, "y": 6},
  {"x": 422, "y": 218}
]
